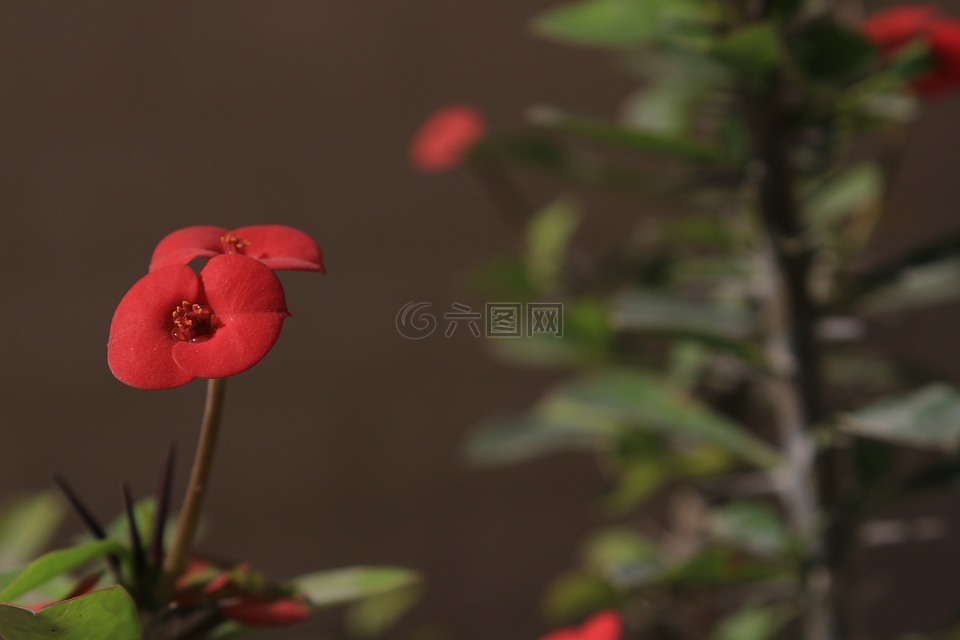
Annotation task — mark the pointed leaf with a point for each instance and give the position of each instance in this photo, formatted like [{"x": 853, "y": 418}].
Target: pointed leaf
[
  {"x": 339, "y": 586},
  {"x": 56, "y": 563},
  {"x": 548, "y": 235},
  {"x": 926, "y": 418},
  {"x": 26, "y": 527},
  {"x": 109, "y": 614}
]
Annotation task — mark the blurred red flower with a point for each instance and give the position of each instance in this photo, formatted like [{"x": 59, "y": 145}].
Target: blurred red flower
[
  {"x": 277, "y": 246},
  {"x": 239, "y": 594},
  {"x": 892, "y": 29},
  {"x": 174, "y": 326},
  {"x": 445, "y": 138},
  {"x": 605, "y": 625}
]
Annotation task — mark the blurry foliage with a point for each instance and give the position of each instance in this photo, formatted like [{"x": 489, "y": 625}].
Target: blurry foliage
[{"x": 671, "y": 340}]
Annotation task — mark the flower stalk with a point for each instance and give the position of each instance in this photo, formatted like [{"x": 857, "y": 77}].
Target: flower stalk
[{"x": 176, "y": 559}]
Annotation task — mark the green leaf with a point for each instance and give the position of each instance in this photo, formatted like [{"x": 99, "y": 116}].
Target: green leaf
[
  {"x": 639, "y": 400},
  {"x": 587, "y": 339},
  {"x": 623, "y": 23},
  {"x": 26, "y": 527},
  {"x": 636, "y": 483},
  {"x": 625, "y": 558},
  {"x": 919, "y": 286},
  {"x": 548, "y": 235},
  {"x": 371, "y": 617},
  {"x": 527, "y": 436},
  {"x": 55, "y": 563},
  {"x": 752, "y": 623},
  {"x": 614, "y": 135},
  {"x": 827, "y": 50},
  {"x": 716, "y": 566},
  {"x": 926, "y": 418},
  {"x": 340, "y": 586},
  {"x": 662, "y": 312},
  {"x": 848, "y": 194},
  {"x": 751, "y": 526},
  {"x": 577, "y": 594},
  {"x": 109, "y": 614},
  {"x": 753, "y": 50}
]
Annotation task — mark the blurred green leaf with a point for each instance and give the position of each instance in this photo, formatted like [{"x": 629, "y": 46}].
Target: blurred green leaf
[
  {"x": 504, "y": 279},
  {"x": 752, "y": 623},
  {"x": 548, "y": 235},
  {"x": 624, "y": 557},
  {"x": 663, "y": 312},
  {"x": 844, "y": 195},
  {"x": 919, "y": 286},
  {"x": 606, "y": 133},
  {"x": 926, "y": 418},
  {"x": 109, "y": 614},
  {"x": 26, "y": 526},
  {"x": 639, "y": 400},
  {"x": 373, "y": 616},
  {"x": 828, "y": 50},
  {"x": 55, "y": 563},
  {"x": 340, "y": 586},
  {"x": 587, "y": 338},
  {"x": 623, "y": 23},
  {"x": 527, "y": 436},
  {"x": 717, "y": 566},
  {"x": 577, "y": 594},
  {"x": 637, "y": 482},
  {"x": 751, "y": 526},
  {"x": 753, "y": 50},
  {"x": 896, "y": 273}
]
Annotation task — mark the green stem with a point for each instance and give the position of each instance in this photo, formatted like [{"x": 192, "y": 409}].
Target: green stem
[{"x": 176, "y": 559}]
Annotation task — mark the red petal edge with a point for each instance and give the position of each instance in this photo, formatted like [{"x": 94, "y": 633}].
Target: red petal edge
[
  {"x": 183, "y": 245},
  {"x": 282, "y": 247}
]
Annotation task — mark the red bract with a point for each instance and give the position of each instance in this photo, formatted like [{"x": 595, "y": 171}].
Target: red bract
[
  {"x": 240, "y": 595},
  {"x": 277, "y": 246},
  {"x": 445, "y": 138},
  {"x": 174, "y": 326},
  {"x": 895, "y": 28},
  {"x": 605, "y": 625}
]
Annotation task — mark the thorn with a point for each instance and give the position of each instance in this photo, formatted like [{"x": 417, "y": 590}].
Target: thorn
[
  {"x": 96, "y": 530},
  {"x": 162, "y": 497},
  {"x": 136, "y": 544}
]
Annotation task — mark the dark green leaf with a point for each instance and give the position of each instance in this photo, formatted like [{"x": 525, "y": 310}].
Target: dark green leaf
[
  {"x": 919, "y": 286},
  {"x": 927, "y": 418},
  {"x": 109, "y": 614},
  {"x": 662, "y": 312},
  {"x": 827, "y": 50},
  {"x": 56, "y": 563},
  {"x": 753, "y": 50},
  {"x": 527, "y": 436}
]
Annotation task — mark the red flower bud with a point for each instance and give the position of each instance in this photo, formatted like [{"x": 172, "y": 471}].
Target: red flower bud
[
  {"x": 605, "y": 625},
  {"x": 445, "y": 138},
  {"x": 267, "y": 610}
]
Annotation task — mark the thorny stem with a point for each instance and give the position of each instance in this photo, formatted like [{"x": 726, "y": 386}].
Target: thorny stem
[
  {"x": 794, "y": 388},
  {"x": 176, "y": 559}
]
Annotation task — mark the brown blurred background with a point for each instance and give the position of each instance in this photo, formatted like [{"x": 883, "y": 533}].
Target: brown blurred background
[{"x": 122, "y": 121}]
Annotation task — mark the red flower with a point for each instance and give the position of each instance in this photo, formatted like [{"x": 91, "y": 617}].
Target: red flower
[
  {"x": 174, "y": 326},
  {"x": 239, "y": 593},
  {"x": 605, "y": 625},
  {"x": 267, "y": 610},
  {"x": 895, "y": 28},
  {"x": 276, "y": 246},
  {"x": 445, "y": 138}
]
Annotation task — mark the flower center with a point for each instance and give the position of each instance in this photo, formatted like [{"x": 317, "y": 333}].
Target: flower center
[
  {"x": 193, "y": 322},
  {"x": 233, "y": 244}
]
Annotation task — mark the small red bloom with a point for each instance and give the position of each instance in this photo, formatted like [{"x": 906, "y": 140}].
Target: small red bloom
[
  {"x": 277, "y": 246},
  {"x": 445, "y": 138},
  {"x": 605, "y": 625},
  {"x": 895, "y": 28},
  {"x": 267, "y": 610},
  {"x": 174, "y": 326}
]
